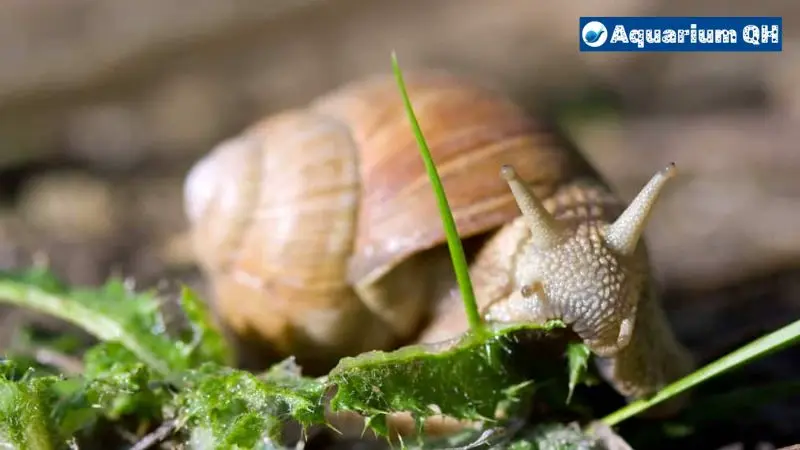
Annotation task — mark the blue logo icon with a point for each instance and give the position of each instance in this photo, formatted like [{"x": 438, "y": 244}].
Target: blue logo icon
[{"x": 594, "y": 34}]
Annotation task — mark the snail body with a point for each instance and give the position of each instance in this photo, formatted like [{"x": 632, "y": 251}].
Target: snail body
[
  {"x": 320, "y": 235},
  {"x": 576, "y": 257}
]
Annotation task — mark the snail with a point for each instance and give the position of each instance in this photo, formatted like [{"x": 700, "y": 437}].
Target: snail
[{"x": 320, "y": 236}]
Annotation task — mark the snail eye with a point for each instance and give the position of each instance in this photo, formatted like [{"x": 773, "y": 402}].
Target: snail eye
[{"x": 528, "y": 290}]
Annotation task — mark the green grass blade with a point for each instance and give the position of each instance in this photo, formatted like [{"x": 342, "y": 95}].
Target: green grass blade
[
  {"x": 453, "y": 240},
  {"x": 758, "y": 348}
]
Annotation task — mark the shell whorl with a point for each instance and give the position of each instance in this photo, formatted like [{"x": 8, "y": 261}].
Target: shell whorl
[
  {"x": 317, "y": 218},
  {"x": 273, "y": 215}
]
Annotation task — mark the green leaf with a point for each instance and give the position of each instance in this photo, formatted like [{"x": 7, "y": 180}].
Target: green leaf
[
  {"x": 578, "y": 355},
  {"x": 38, "y": 276},
  {"x": 14, "y": 370},
  {"x": 226, "y": 408},
  {"x": 207, "y": 343},
  {"x": 114, "y": 384},
  {"x": 469, "y": 380},
  {"x": 118, "y": 383},
  {"x": 114, "y": 312},
  {"x": 25, "y": 422}
]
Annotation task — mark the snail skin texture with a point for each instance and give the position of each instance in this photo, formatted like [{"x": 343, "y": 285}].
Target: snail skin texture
[{"x": 320, "y": 236}]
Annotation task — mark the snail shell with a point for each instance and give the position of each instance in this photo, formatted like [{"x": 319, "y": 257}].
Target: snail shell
[{"x": 317, "y": 227}]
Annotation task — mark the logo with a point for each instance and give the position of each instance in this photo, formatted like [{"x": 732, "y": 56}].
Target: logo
[
  {"x": 594, "y": 34},
  {"x": 680, "y": 34}
]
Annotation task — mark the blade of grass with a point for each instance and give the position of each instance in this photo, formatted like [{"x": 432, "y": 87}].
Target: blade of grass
[
  {"x": 758, "y": 348},
  {"x": 453, "y": 240}
]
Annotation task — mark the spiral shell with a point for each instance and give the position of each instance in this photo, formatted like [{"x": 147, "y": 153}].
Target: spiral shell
[{"x": 318, "y": 227}]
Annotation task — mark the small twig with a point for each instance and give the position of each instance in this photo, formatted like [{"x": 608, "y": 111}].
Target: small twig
[
  {"x": 67, "y": 364},
  {"x": 494, "y": 435},
  {"x": 129, "y": 436},
  {"x": 484, "y": 438},
  {"x": 72, "y": 443},
  {"x": 158, "y": 435},
  {"x": 608, "y": 437}
]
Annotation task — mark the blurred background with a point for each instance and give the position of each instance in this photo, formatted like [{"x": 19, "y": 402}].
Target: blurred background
[{"x": 105, "y": 105}]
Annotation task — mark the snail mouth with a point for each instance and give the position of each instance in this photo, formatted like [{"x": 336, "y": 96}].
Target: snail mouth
[{"x": 601, "y": 340}]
